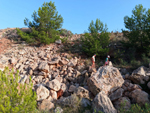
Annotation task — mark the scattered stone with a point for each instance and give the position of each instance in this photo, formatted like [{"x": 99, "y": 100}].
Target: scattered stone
[
  {"x": 43, "y": 66},
  {"x": 73, "y": 62},
  {"x": 72, "y": 88},
  {"x": 54, "y": 84},
  {"x": 63, "y": 87},
  {"x": 13, "y": 61},
  {"x": 58, "y": 41},
  {"x": 46, "y": 105},
  {"x": 53, "y": 94},
  {"x": 83, "y": 72},
  {"x": 58, "y": 110},
  {"x": 42, "y": 93},
  {"x": 82, "y": 92},
  {"x": 30, "y": 72}
]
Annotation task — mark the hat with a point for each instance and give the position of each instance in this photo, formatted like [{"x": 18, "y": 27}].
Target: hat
[{"x": 108, "y": 56}]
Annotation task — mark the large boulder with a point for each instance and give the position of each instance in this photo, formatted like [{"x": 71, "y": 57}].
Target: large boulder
[
  {"x": 106, "y": 79},
  {"x": 123, "y": 102},
  {"x": 139, "y": 75},
  {"x": 140, "y": 97},
  {"x": 73, "y": 62},
  {"x": 102, "y": 103}
]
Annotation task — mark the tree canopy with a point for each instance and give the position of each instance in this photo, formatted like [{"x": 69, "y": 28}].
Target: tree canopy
[
  {"x": 45, "y": 25},
  {"x": 96, "y": 40},
  {"x": 138, "y": 26}
]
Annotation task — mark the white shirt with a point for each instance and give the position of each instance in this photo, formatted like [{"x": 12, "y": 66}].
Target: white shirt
[{"x": 93, "y": 58}]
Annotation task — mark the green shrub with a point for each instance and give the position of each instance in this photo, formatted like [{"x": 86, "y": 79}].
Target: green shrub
[
  {"x": 118, "y": 55},
  {"x": 135, "y": 63},
  {"x": 135, "y": 108},
  {"x": 97, "y": 40},
  {"x": 145, "y": 59},
  {"x": 14, "y": 97},
  {"x": 37, "y": 37},
  {"x": 26, "y": 37}
]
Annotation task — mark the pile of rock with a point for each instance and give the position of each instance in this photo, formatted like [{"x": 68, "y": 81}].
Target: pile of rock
[
  {"x": 52, "y": 74},
  {"x": 111, "y": 90},
  {"x": 58, "y": 75}
]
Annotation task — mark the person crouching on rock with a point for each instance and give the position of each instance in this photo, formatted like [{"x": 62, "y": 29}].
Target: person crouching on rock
[
  {"x": 107, "y": 60},
  {"x": 93, "y": 61}
]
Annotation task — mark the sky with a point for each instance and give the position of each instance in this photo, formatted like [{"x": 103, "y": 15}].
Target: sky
[{"x": 77, "y": 14}]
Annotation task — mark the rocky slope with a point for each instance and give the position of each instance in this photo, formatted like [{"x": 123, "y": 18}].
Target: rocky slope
[{"x": 56, "y": 76}]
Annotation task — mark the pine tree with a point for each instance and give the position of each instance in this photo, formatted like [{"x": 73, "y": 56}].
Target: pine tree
[
  {"x": 46, "y": 19},
  {"x": 138, "y": 25},
  {"x": 96, "y": 40},
  {"x": 45, "y": 25},
  {"x": 14, "y": 97}
]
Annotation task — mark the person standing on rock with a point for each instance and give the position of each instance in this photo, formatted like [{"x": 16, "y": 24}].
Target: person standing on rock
[
  {"x": 93, "y": 61},
  {"x": 107, "y": 60}
]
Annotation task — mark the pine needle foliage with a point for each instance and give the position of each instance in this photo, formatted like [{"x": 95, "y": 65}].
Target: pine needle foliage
[
  {"x": 96, "y": 40},
  {"x": 15, "y": 97},
  {"x": 45, "y": 25}
]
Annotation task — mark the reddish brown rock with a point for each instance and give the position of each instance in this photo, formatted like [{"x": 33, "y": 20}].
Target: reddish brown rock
[{"x": 59, "y": 93}]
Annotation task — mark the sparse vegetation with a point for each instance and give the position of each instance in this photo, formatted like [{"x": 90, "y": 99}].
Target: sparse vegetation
[
  {"x": 72, "y": 105},
  {"x": 128, "y": 51},
  {"x": 135, "y": 108}
]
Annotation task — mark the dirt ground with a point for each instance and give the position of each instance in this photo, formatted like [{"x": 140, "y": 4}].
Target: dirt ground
[{"x": 4, "y": 44}]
